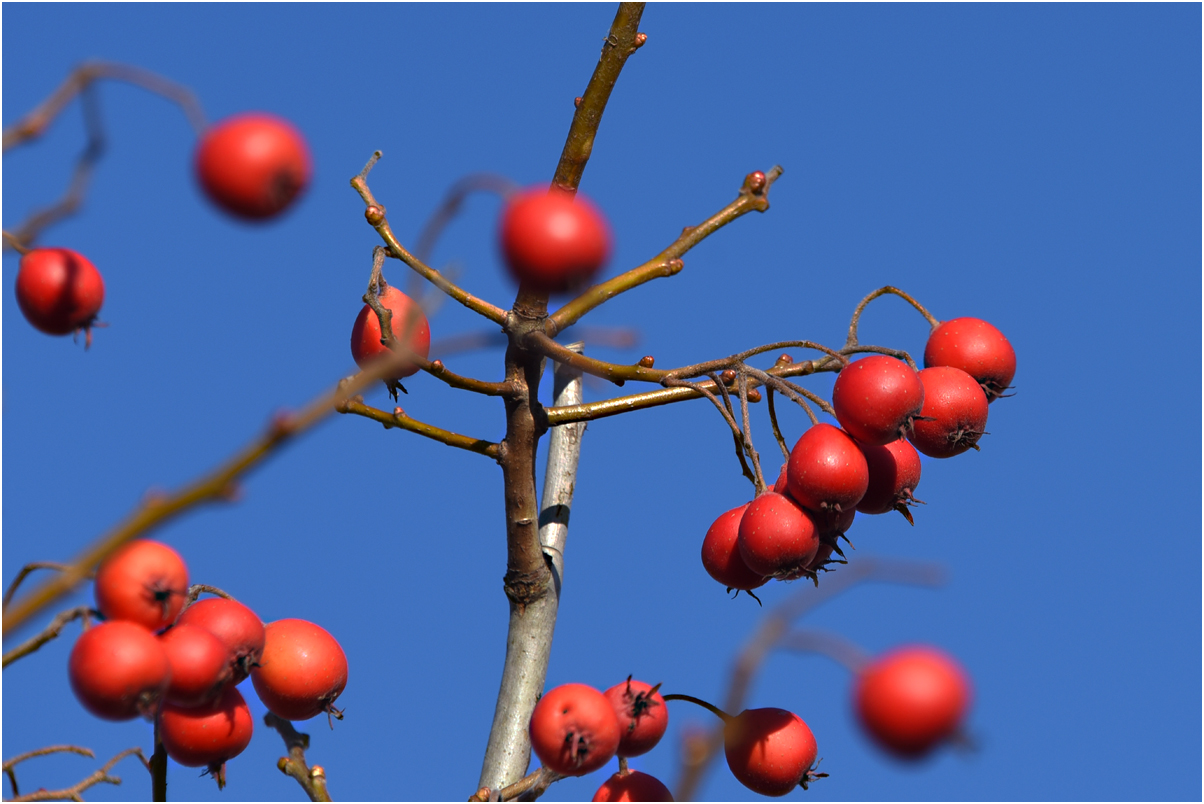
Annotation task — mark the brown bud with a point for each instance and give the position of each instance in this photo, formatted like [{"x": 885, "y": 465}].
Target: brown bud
[
  {"x": 647, "y": 361},
  {"x": 675, "y": 266},
  {"x": 577, "y": 102},
  {"x": 282, "y": 764},
  {"x": 755, "y": 182},
  {"x": 398, "y": 412},
  {"x": 784, "y": 359},
  {"x": 437, "y": 365},
  {"x": 728, "y": 376},
  {"x": 283, "y": 423},
  {"x": 754, "y": 395},
  {"x": 317, "y": 772},
  {"x": 641, "y": 39},
  {"x": 374, "y": 214}
]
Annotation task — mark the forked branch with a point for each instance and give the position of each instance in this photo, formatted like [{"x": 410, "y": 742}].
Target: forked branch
[
  {"x": 75, "y": 791},
  {"x": 312, "y": 779}
]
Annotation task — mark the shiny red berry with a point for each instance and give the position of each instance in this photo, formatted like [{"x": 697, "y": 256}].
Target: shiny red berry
[
  {"x": 954, "y": 415},
  {"x": 59, "y": 290},
  {"x": 407, "y": 317},
  {"x": 253, "y": 165},
  {"x": 975, "y": 347},
  {"x": 553, "y": 242},
  {"x": 721, "y": 553},
  {"x": 876, "y": 398}
]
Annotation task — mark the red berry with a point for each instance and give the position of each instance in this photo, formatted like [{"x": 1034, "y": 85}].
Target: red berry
[
  {"x": 955, "y": 413},
  {"x": 207, "y": 735},
  {"x": 721, "y": 553},
  {"x": 642, "y": 714},
  {"x": 553, "y": 242},
  {"x": 253, "y": 165},
  {"x": 875, "y": 399},
  {"x": 302, "y": 672},
  {"x": 118, "y": 670},
  {"x": 200, "y": 665},
  {"x": 975, "y": 347},
  {"x": 238, "y": 628},
  {"x": 365, "y": 334},
  {"x": 633, "y": 785},
  {"x": 912, "y": 699},
  {"x": 144, "y": 582},
  {"x": 574, "y": 730},
  {"x": 770, "y": 751},
  {"x": 59, "y": 290},
  {"x": 777, "y": 537},
  {"x": 826, "y": 470},
  {"x": 894, "y": 475}
]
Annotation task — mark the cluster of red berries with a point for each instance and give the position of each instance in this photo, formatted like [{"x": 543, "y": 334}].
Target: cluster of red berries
[
  {"x": 252, "y": 166},
  {"x": 887, "y": 411},
  {"x": 154, "y": 658},
  {"x": 576, "y": 730}
]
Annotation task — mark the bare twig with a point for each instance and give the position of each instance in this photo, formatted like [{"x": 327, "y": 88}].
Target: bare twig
[
  {"x": 622, "y": 40},
  {"x": 753, "y": 196},
  {"x": 447, "y": 211},
  {"x": 312, "y": 780},
  {"x": 400, "y": 420},
  {"x": 702, "y": 748},
  {"x": 856, "y": 319},
  {"x": 834, "y": 646},
  {"x": 73, "y": 793},
  {"x": 375, "y": 214},
  {"x": 51, "y": 631}
]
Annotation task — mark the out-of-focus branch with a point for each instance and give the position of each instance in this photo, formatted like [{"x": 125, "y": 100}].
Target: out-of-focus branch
[
  {"x": 34, "y": 124},
  {"x": 754, "y": 195},
  {"x": 399, "y": 419},
  {"x": 73, "y": 793},
  {"x": 840, "y": 650},
  {"x": 51, "y": 632},
  {"x": 375, "y": 214},
  {"x": 312, "y": 780},
  {"x": 529, "y": 641},
  {"x": 218, "y": 485},
  {"x": 24, "y": 573},
  {"x": 613, "y": 337},
  {"x": 81, "y": 82},
  {"x": 447, "y": 211},
  {"x": 25, "y": 234},
  {"x": 702, "y": 747},
  {"x": 623, "y": 40}
]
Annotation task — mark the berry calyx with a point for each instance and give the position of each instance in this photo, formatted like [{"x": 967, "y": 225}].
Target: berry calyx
[{"x": 642, "y": 715}]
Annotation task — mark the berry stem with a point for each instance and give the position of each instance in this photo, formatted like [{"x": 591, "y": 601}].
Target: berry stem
[{"x": 714, "y": 710}]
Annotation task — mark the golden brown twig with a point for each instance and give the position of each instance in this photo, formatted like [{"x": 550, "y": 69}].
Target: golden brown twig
[{"x": 312, "y": 780}]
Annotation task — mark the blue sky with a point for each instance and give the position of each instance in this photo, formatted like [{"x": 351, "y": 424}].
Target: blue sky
[{"x": 1037, "y": 166}]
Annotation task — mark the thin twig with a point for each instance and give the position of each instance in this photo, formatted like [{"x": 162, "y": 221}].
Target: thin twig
[
  {"x": 312, "y": 780},
  {"x": 375, "y": 214},
  {"x": 73, "y": 793},
  {"x": 400, "y": 420},
  {"x": 622, "y": 40},
  {"x": 836, "y": 647},
  {"x": 51, "y": 632},
  {"x": 856, "y": 319},
  {"x": 753, "y": 196},
  {"x": 773, "y": 422}
]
